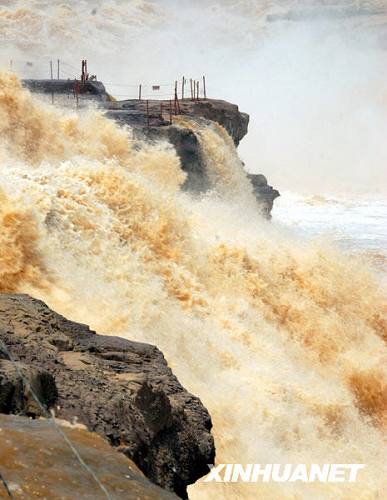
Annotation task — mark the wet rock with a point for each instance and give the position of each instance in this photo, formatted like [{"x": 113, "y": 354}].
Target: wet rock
[
  {"x": 264, "y": 193},
  {"x": 122, "y": 390},
  {"x": 37, "y": 462},
  {"x": 19, "y": 383}
]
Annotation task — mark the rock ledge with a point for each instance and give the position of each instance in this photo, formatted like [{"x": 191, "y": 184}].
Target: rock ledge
[{"x": 120, "y": 389}]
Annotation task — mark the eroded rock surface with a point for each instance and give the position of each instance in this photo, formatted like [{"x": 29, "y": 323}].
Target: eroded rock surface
[
  {"x": 37, "y": 462},
  {"x": 120, "y": 389}
]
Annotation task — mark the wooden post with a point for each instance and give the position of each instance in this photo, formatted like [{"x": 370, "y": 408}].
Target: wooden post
[
  {"x": 147, "y": 111},
  {"x": 192, "y": 96},
  {"x": 76, "y": 89},
  {"x": 197, "y": 90},
  {"x": 51, "y": 70},
  {"x": 170, "y": 112},
  {"x": 182, "y": 88},
  {"x": 204, "y": 87},
  {"x": 58, "y": 68},
  {"x": 176, "y": 99},
  {"x": 139, "y": 92}
]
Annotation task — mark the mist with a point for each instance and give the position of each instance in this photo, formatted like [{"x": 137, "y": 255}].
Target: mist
[{"x": 314, "y": 89}]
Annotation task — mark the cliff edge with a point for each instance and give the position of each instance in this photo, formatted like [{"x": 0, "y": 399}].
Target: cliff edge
[{"x": 119, "y": 389}]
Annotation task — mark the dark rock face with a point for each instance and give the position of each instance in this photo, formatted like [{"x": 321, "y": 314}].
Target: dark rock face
[
  {"x": 226, "y": 114},
  {"x": 264, "y": 193},
  {"x": 91, "y": 88},
  {"x": 120, "y": 389},
  {"x": 188, "y": 149},
  {"x": 16, "y": 397}
]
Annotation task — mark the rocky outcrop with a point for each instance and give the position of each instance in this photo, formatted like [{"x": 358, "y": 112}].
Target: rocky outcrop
[
  {"x": 36, "y": 462},
  {"x": 226, "y": 114},
  {"x": 186, "y": 142},
  {"x": 264, "y": 193},
  {"x": 120, "y": 389},
  {"x": 91, "y": 88},
  {"x": 15, "y": 394},
  {"x": 156, "y": 119},
  {"x": 187, "y": 146},
  {"x": 135, "y": 113}
]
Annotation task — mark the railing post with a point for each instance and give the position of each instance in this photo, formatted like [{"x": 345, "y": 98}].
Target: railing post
[
  {"x": 182, "y": 88},
  {"x": 139, "y": 92},
  {"x": 204, "y": 87}
]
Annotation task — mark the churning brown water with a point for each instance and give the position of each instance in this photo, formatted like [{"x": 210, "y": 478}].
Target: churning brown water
[{"x": 283, "y": 341}]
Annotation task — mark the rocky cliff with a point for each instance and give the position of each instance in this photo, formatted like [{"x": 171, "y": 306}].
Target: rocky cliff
[
  {"x": 120, "y": 389},
  {"x": 162, "y": 126},
  {"x": 156, "y": 120}
]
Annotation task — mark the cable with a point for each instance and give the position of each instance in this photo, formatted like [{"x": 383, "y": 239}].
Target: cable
[
  {"x": 51, "y": 418},
  {"x": 5, "y": 485}
]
